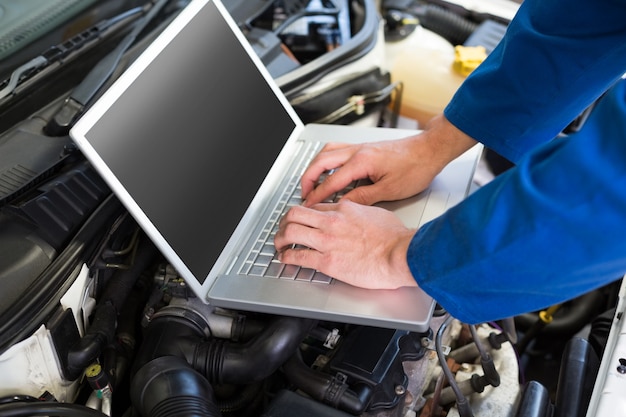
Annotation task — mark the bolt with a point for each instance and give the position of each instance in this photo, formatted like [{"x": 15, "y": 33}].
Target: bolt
[
  {"x": 400, "y": 390},
  {"x": 425, "y": 342}
]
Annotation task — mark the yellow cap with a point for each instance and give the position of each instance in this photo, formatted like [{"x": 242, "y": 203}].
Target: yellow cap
[
  {"x": 93, "y": 370},
  {"x": 467, "y": 58}
]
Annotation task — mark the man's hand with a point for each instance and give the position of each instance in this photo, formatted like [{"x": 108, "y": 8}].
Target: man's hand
[
  {"x": 352, "y": 241},
  {"x": 361, "y": 245},
  {"x": 397, "y": 169}
]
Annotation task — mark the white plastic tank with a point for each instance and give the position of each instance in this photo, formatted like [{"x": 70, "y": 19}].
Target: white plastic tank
[{"x": 423, "y": 62}]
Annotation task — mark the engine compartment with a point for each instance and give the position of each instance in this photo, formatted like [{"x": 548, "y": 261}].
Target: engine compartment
[
  {"x": 119, "y": 332},
  {"x": 149, "y": 339},
  {"x": 96, "y": 322}
]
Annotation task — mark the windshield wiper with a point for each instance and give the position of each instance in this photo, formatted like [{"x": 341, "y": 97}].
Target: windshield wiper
[
  {"x": 74, "y": 105},
  {"x": 61, "y": 51}
]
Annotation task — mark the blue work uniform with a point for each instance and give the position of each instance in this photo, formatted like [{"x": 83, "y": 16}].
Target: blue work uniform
[{"x": 554, "y": 226}]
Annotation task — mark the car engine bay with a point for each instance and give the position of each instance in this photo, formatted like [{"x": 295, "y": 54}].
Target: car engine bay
[{"x": 96, "y": 322}]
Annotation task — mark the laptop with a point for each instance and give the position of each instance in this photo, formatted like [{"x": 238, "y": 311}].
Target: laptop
[{"x": 198, "y": 142}]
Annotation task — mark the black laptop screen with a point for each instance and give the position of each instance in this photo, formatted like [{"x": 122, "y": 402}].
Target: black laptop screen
[{"x": 193, "y": 137}]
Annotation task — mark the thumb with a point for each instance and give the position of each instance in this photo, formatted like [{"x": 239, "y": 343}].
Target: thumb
[{"x": 366, "y": 194}]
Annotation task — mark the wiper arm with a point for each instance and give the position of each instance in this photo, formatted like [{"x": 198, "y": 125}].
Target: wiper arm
[
  {"x": 17, "y": 74},
  {"x": 74, "y": 105},
  {"x": 60, "y": 51}
]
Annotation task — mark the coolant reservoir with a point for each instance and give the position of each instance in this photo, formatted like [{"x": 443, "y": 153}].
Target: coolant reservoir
[{"x": 423, "y": 62}]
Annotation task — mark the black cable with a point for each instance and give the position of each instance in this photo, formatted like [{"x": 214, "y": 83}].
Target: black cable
[
  {"x": 461, "y": 401},
  {"x": 356, "y": 104},
  {"x": 481, "y": 349},
  {"x": 48, "y": 409},
  {"x": 489, "y": 368}
]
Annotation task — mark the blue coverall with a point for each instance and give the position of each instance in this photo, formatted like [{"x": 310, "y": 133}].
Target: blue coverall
[{"x": 554, "y": 226}]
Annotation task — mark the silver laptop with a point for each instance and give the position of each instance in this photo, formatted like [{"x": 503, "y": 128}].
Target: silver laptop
[{"x": 198, "y": 142}]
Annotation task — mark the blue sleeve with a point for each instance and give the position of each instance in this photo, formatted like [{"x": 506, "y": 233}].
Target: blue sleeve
[
  {"x": 556, "y": 58},
  {"x": 548, "y": 230}
]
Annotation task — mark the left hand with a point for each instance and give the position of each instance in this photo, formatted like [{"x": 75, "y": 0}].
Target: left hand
[{"x": 361, "y": 245}]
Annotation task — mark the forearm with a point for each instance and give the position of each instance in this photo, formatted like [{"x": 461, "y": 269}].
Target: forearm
[
  {"x": 555, "y": 60},
  {"x": 444, "y": 141},
  {"x": 546, "y": 231}
]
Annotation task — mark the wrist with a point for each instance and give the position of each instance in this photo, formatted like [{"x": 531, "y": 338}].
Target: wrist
[
  {"x": 402, "y": 272},
  {"x": 445, "y": 141}
]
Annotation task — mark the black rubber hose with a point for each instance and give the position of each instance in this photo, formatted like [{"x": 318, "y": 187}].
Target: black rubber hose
[
  {"x": 600, "y": 329},
  {"x": 119, "y": 357},
  {"x": 47, "y": 409},
  {"x": 324, "y": 387},
  {"x": 221, "y": 361},
  {"x": 102, "y": 329},
  {"x": 245, "y": 396},
  {"x": 577, "y": 374},
  {"x": 174, "y": 345},
  {"x": 535, "y": 401},
  {"x": 529, "y": 336},
  {"x": 122, "y": 283},
  {"x": 583, "y": 310},
  {"x": 255, "y": 360},
  {"x": 168, "y": 387},
  {"x": 449, "y": 25},
  {"x": 170, "y": 336}
]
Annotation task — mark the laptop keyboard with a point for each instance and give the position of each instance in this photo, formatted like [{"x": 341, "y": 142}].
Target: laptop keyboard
[{"x": 262, "y": 260}]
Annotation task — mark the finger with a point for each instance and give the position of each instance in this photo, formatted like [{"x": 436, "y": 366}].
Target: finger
[
  {"x": 302, "y": 215},
  {"x": 326, "y": 189},
  {"x": 325, "y": 207},
  {"x": 307, "y": 258},
  {"x": 332, "y": 156},
  {"x": 297, "y": 234},
  {"x": 338, "y": 181},
  {"x": 331, "y": 146},
  {"x": 311, "y": 177},
  {"x": 367, "y": 194}
]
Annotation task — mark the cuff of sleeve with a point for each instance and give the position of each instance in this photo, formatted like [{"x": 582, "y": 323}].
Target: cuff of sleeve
[{"x": 422, "y": 258}]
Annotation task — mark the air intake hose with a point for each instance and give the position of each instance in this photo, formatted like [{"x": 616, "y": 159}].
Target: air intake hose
[
  {"x": 167, "y": 386},
  {"x": 254, "y": 361},
  {"x": 176, "y": 362}
]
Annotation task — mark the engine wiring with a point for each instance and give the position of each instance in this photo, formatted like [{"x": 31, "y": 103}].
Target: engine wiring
[
  {"x": 489, "y": 369},
  {"x": 356, "y": 103},
  {"x": 462, "y": 403}
]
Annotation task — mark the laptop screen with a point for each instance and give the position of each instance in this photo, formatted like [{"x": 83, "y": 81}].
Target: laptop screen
[{"x": 193, "y": 137}]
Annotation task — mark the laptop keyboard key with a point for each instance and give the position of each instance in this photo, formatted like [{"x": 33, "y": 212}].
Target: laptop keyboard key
[{"x": 290, "y": 271}]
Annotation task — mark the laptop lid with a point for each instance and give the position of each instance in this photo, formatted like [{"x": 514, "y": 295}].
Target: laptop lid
[{"x": 195, "y": 105}]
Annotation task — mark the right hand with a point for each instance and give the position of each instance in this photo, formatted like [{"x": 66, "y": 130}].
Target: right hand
[
  {"x": 397, "y": 169},
  {"x": 361, "y": 245}
]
